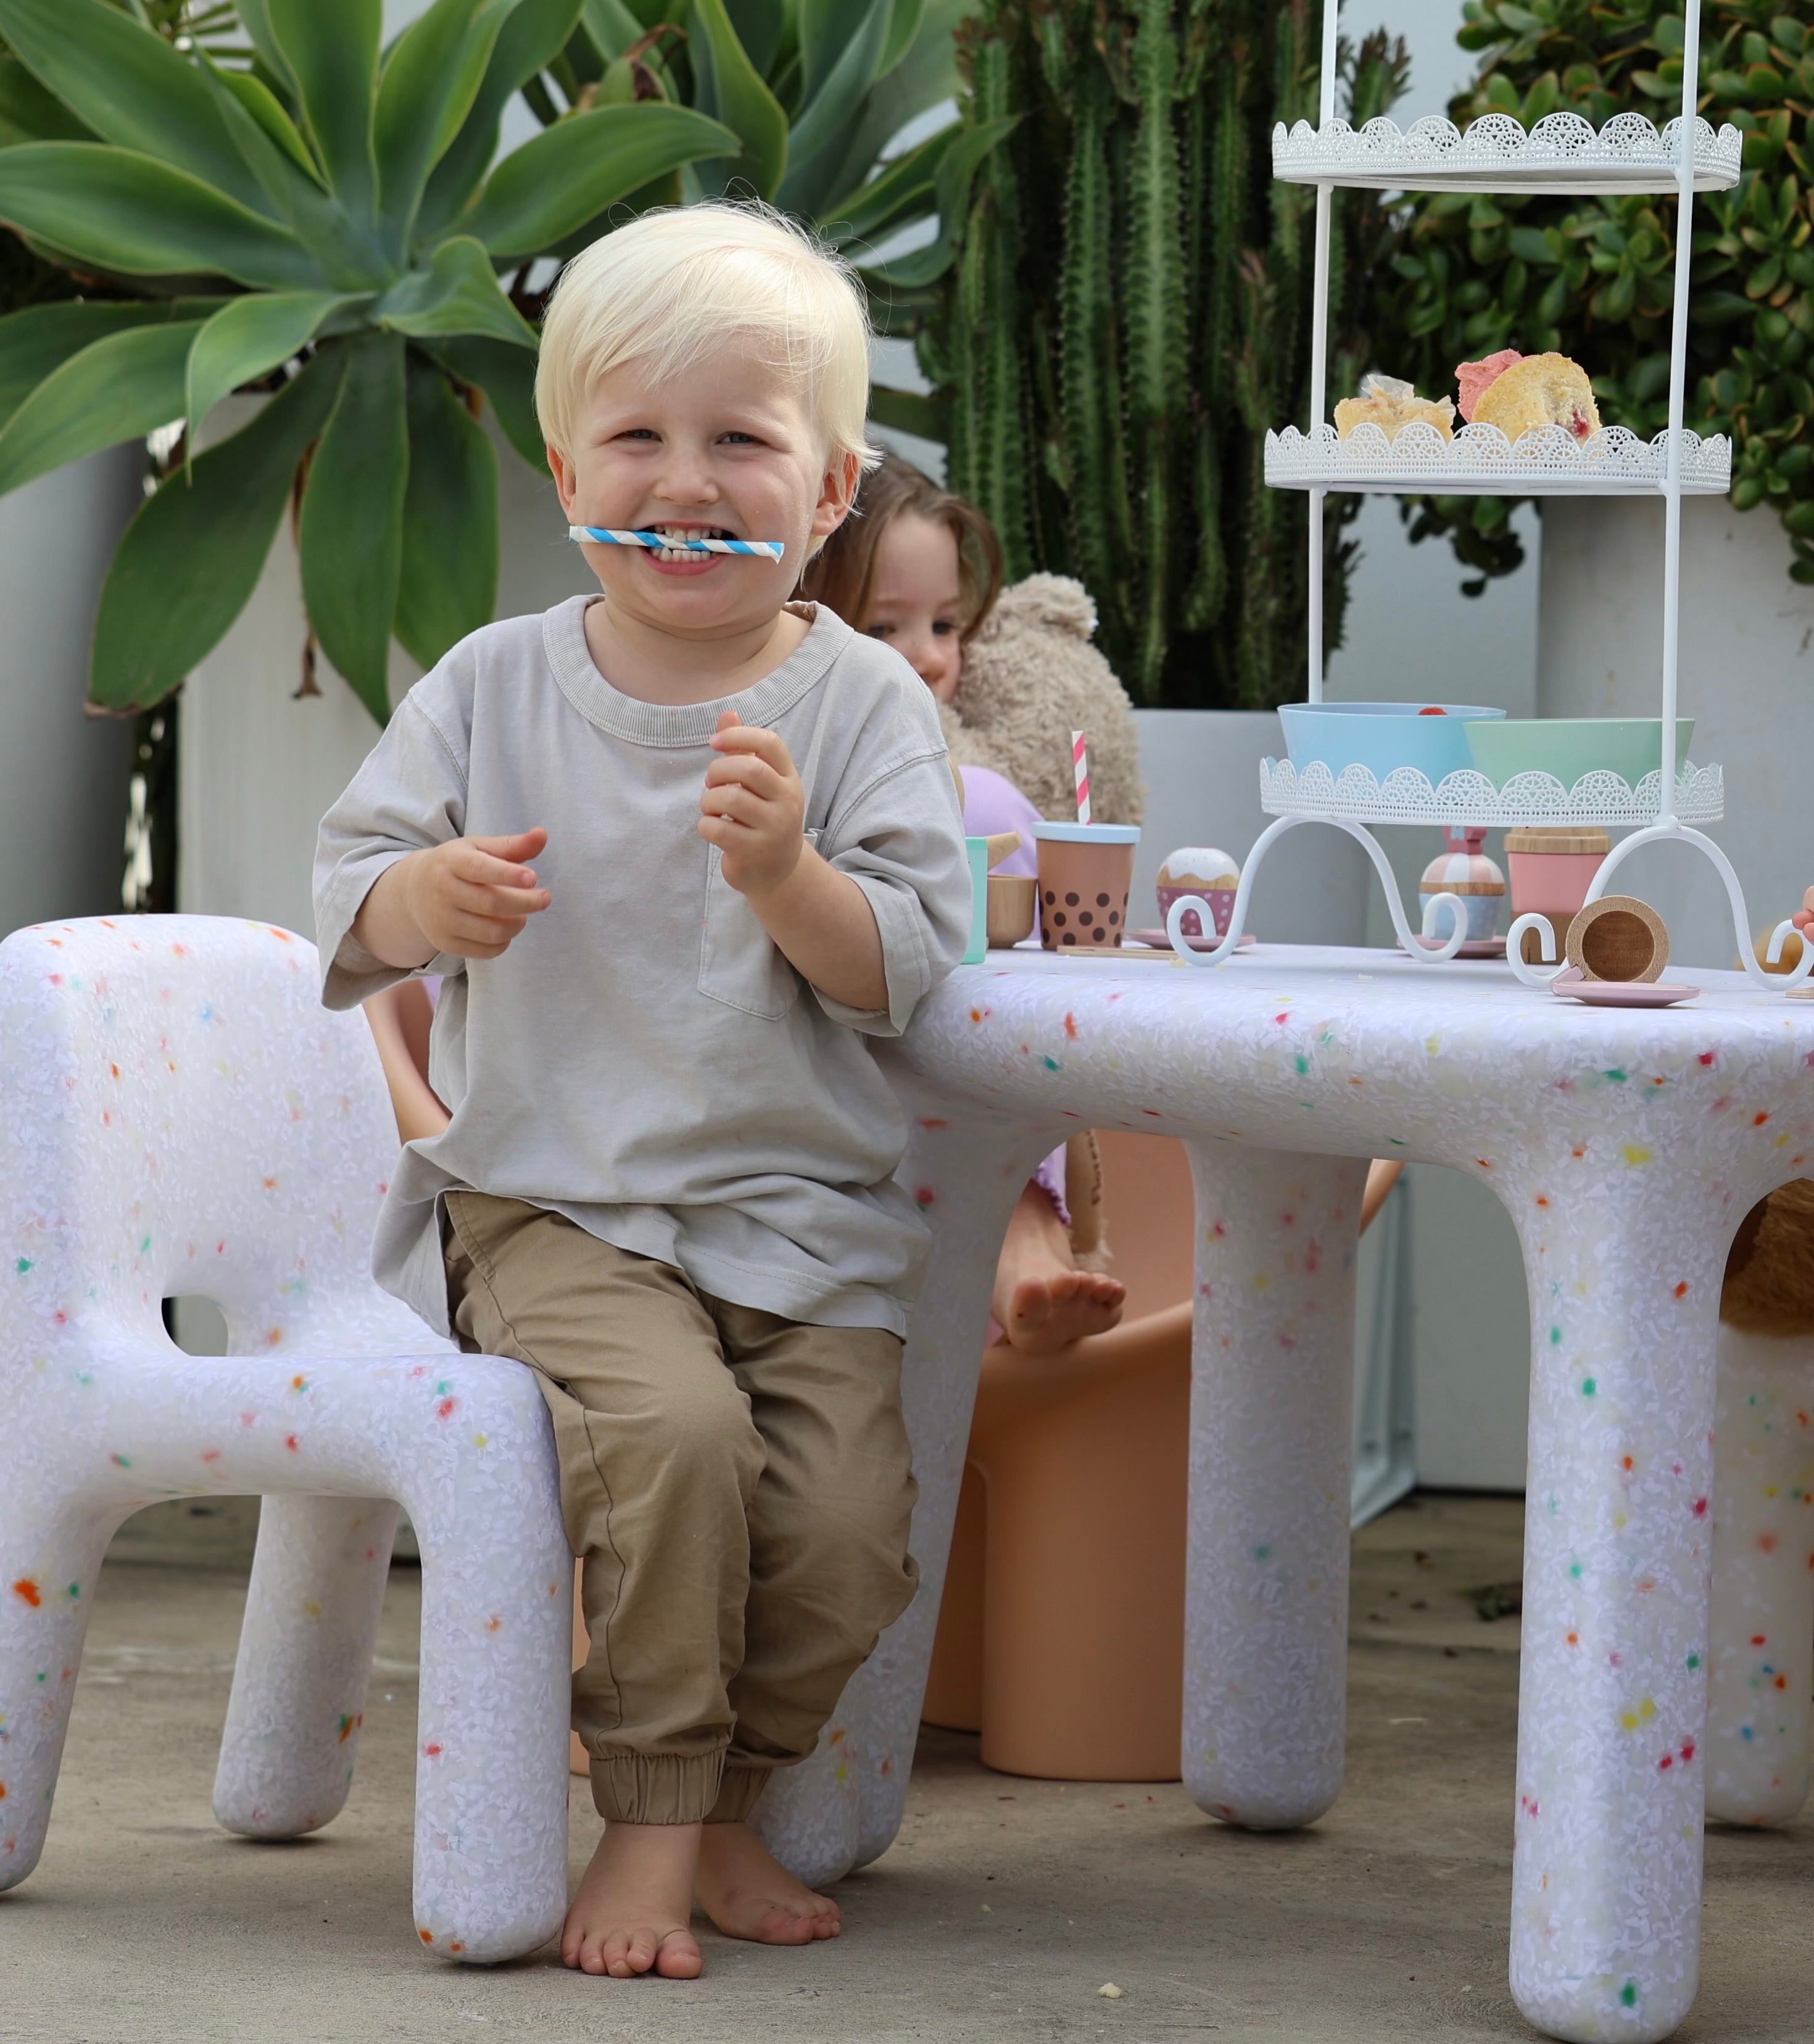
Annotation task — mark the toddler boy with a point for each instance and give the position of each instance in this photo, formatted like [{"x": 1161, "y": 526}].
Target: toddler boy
[{"x": 666, "y": 1183}]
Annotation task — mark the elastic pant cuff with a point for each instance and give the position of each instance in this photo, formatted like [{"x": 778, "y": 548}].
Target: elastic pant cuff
[
  {"x": 655, "y": 1788},
  {"x": 738, "y": 1794}
]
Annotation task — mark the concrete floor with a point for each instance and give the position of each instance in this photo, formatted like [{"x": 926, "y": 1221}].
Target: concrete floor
[{"x": 1002, "y": 1909}]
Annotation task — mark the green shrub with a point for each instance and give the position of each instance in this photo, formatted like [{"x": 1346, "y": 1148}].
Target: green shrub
[{"x": 1593, "y": 278}]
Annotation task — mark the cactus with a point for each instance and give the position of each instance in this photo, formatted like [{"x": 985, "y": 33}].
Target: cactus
[{"x": 1129, "y": 310}]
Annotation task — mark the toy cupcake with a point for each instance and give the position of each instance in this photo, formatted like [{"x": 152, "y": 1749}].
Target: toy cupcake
[{"x": 1202, "y": 870}]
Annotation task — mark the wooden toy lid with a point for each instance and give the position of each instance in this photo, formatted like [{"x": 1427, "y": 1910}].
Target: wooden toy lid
[{"x": 1557, "y": 838}]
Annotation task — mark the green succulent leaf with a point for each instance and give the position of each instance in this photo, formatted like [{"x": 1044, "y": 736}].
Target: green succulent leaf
[
  {"x": 458, "y": 293},
  {"x": 351, "y": 534},
  {"x": 257, "y": 99},
  {"x": 124, "y": 211},
  {"x": 570, "y": 173},
  {"x": 903, "y": 27},
  {"x": 835, "y": 110},
  {"x": 507, "y": 376},
  {"x": 38, "y": 341},
  {"x": 127, "y": 84},
  {"x": 448, "y": 584},
  {"x": 28, "y": 113},
  {"x": 249, "y": 337},
  {"x": 345, "y": 256},
  {"x": 902, "y": 189},
  {"x": 535, "y": 33},
  {"x": 330, "y": 48},
  {"x": 611, "y": 27},
  {"x": 194, "y": 553},
  {"x": 431, "y": 78},
  {"x": 118, "y": 388},
  {"x": 732, "y": 91}
]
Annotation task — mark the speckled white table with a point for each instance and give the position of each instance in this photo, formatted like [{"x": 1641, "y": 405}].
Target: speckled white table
[{"x": 1627, "y": 1147}]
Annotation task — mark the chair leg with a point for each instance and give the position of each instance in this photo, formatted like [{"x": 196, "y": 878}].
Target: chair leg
[
  {"x": 48, "y": 1558},
  {"x": 306, "y": 1647},
  {"x": 1762, "y": 1634},
  {"x": 491, "y": 1751}
]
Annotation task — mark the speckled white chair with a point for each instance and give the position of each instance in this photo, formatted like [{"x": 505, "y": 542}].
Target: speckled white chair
[{"x": 180, "y": 1116}]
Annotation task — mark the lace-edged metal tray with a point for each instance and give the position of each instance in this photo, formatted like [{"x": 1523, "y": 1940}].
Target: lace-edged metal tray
[
  {"x": 1406, "y": 797},
  {"x": 1480, "y": 461},
  {"x": 1497, "y": 153}
]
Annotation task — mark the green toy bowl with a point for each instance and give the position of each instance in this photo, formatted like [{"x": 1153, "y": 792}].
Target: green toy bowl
[{"x": 1571, "y": 747}]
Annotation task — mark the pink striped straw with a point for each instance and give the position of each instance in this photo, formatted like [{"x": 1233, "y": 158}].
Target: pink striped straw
[{"x": 1080, "y": 766}]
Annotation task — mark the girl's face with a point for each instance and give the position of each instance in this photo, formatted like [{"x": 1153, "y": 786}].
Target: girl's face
[{"x": 916, "y": 600}]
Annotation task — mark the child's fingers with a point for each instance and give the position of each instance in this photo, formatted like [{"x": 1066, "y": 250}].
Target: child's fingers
[
  {"x": 481, "y": 937},
  {"x": 740, "y": 806},
  {"x": 526, "y": 844},
  {"x": 734, "y": 737},
  {"x": 513, "y": 903},
  {"x": 754, "y": 772},
  {"x": 476, "y": 867}
]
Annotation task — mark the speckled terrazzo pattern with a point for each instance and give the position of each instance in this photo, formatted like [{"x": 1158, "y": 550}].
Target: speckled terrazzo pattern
[
  {"x": 1762, "y": 1636},
  {"x": 1625, "y": 1146},
  {"x": 179, "y": 1115}
]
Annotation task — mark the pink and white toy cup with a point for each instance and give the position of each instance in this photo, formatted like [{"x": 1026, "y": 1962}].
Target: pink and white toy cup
[
  {"x": 1202, "y": 870},
  {"x": 1086, "y": 871}
]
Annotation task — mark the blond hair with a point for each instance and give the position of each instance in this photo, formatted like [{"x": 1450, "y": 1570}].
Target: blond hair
[{"x": 674, "y": 286}]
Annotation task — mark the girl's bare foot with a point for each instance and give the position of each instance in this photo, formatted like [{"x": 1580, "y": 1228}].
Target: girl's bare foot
[
  {"x": 632, "y": 1912},
  {"x": 1048, "y": 1312},
  {"x": 748, "y": 1893},
  {"x": 1041, "y": 1301}
]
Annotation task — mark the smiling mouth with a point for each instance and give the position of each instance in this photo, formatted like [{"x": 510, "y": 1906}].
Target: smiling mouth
[{"x": 679, "y": 534}]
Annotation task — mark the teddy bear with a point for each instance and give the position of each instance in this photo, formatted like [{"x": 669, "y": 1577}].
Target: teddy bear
[{"x": 1030, "y": 678}]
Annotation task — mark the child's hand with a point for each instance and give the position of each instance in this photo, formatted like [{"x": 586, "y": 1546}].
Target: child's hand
[
  {"x": 754, "y": 808},
  {"x": 471, "y": 896}
]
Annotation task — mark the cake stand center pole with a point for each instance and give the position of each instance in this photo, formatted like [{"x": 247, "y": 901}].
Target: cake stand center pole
[
  {"x": 1320, "y": 349},
  {"x": 1677, "y": 395}
]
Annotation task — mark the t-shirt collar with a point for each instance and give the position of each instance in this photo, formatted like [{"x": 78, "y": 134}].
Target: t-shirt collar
[{"x": 563, "y": 638}]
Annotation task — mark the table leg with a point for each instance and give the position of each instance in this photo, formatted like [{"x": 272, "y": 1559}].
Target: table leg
[
  {"x": 1762, "y": 1632},
  {"x": 1271, "y": 1451},
  {"x": 1624, "y": 1268},
  {"x": 842, "y": 1808}
]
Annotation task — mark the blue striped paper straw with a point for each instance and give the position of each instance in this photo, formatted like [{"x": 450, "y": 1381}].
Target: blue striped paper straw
[{"x": 767, "y": 550}]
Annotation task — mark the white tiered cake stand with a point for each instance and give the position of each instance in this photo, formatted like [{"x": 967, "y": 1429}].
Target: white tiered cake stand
[{"x": 1563, "y": 154}]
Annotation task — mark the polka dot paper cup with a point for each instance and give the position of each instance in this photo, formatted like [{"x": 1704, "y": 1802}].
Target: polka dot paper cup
[{"x": 1086, "y": 871}]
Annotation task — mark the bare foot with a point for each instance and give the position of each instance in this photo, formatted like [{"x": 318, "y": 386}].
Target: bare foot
[
  {"x": 631, "y": 1913},
  {"x": 1041, "y": 1301},
  {"x": 1046, "y": 1313},
  {"x": 748, "y": 1893}
]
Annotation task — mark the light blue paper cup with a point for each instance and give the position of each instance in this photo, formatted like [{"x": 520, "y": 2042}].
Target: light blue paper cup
[{"x": 976, "y": 950}]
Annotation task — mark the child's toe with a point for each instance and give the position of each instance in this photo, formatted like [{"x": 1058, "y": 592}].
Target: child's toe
[{"x": 678, "y": 1957}]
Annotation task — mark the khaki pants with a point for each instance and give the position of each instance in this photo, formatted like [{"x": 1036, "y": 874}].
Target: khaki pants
[{"x": 736, "y": 1484}]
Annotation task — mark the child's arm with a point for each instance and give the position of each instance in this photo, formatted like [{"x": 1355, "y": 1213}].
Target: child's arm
[
  {"x": 754, "y": 810},
  {"x": 468, "y": 897}
]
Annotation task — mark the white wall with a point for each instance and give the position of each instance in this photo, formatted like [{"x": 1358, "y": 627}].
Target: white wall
[{"x": 62, "y": 773}]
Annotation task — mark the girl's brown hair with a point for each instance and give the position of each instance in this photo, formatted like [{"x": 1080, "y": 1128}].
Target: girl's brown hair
[{"x": 842, "y": 575}]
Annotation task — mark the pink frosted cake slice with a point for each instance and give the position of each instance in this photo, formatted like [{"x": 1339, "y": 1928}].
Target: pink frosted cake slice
[{"x": 1472, "y": 378}]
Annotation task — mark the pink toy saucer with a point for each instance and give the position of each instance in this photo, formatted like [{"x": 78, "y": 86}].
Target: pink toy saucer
[
  {"x": 1159, "y": 941},
  {"x": 1569, "y": 984}
]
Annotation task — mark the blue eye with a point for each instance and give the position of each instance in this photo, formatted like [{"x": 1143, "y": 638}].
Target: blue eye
[{"x": 742, "y": 439}]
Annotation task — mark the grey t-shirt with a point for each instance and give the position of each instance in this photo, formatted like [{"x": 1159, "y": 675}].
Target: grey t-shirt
[{"x": 642, "y": 1058}]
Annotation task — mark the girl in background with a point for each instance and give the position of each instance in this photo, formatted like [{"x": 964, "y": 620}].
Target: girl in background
[{"x": 921, "y": 569}]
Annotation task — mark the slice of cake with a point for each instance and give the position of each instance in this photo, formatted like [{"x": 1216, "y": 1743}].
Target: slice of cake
[
  {"x": 1541, "y": 390},
  {"x": 1389, "y": 402},
  {"x": 1472, "y": 378}
]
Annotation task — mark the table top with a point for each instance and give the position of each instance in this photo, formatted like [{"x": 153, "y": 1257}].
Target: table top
[{"x": 1363, "y": 1053}]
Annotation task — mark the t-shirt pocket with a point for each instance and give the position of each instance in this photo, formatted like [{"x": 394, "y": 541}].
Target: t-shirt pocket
[{"x": 739, "y": 963}]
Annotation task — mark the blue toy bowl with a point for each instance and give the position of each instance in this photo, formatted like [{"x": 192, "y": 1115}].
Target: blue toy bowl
[{"x": 1380, "y": 735}]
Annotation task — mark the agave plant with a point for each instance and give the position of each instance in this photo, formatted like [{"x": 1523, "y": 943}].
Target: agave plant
[
  {"x": 329, "y": 218},
  {"x": 326, "y": 220}
]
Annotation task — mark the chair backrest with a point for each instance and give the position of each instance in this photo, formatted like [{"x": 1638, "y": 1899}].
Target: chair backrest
[{"x": 179, "y": 1115}]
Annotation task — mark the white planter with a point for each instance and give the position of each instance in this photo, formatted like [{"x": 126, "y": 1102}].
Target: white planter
[
  {"x": 1202, "y": 774},
  {"x": 62, "y": 773},
  {"x": 1746, "y": 677},
  {"x": 257, "y": 766}
]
